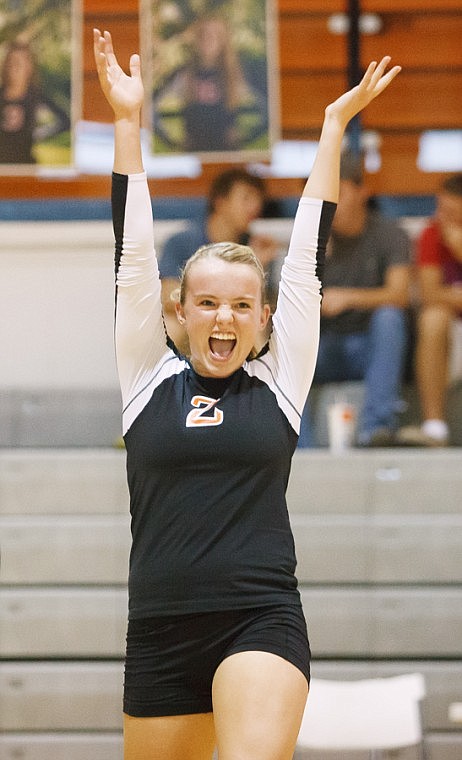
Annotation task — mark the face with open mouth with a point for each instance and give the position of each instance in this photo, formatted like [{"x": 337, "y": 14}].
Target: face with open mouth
[{"x": 223, "y": 315}]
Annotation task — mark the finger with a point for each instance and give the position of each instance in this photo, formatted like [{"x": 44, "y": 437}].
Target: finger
[
  {"x": 109, "y": 49},
  {"x": 98, "y": 41},
  {"x": 100, "y": 57},
  {"x": 381, "y": 66},
  {"x": 379, "y": 71},
  {"x": 135, "y": 65},
  {"x": 386, "y": 79},
  {"x": 99, "y": 44},
  {"x": 365, "y": 81},
  {"x": 374, "y": 72}
]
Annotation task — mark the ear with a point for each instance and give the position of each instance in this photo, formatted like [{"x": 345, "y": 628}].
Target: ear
[
  {"x": 180, "y": 313},
  {"x": 265, "y": 315}
]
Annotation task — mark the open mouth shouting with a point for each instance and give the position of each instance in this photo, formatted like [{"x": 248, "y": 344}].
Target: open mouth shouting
[{"x": 221, "y": 345}]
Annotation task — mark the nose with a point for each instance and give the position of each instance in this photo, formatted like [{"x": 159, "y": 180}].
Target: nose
[{"x": 224, "y": 313}]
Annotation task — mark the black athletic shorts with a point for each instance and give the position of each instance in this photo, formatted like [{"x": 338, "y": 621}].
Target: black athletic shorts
[{"x": 171, "y": 660}]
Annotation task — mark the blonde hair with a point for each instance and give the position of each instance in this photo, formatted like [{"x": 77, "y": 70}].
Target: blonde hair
[
  {"x": 235, "y": 87},
  {"x": 233, "y": 253}
]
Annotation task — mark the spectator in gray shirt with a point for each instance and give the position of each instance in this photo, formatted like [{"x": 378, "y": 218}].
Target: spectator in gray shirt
[{"x": 363, "y": 314}]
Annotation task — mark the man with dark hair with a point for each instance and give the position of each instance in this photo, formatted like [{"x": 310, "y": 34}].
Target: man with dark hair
[
  {"x": 224, "y": 182},
  {"x": 439, "y": 274},
  {"x": 363, "y": 314},
  {"x": 235, "y": 200}
]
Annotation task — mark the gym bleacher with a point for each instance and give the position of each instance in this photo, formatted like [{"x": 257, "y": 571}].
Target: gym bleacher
[{"x": 378, "y": 532}]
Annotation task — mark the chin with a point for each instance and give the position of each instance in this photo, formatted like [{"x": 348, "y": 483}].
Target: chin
[{"x": 224, "y": 369}]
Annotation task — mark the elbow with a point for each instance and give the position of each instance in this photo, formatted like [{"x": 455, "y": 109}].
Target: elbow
[
  {"x": 400, "y": 299},
  {"x": 403, "y": 300}
]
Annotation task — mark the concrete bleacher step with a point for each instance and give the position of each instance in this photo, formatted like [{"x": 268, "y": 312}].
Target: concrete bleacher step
[
  {"x": 51, "y": 700},
  {"x": 57, "y": 622},
  {"x": 61, "y": 746},
  {"x": 61, "y": 696},
  {"x": 384, "y": 622},
  {"x": 60, "y": 417},
  {"x": 376, "y": 482},
  {"x": 379, "y": 549},
  {"x": 371, "y": 622},
  {"x": 91, "y": 416},
  {"x": 437, "y": 747},
  {"x": 378, "y": 537},
  {"x": 94, "y": 549},
  {"x": 382, "y": 481},
  {"x": 67, "y": 696},
  {"x": 65, "y": 549},
  {"x": 63, "y": 481}
]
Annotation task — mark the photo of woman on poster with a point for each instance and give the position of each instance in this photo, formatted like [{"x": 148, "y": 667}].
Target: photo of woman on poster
[
  {"x": 38, "y": 97},
  {"x": 213, "y": 97},
  {"x": 27, "y": 115}
]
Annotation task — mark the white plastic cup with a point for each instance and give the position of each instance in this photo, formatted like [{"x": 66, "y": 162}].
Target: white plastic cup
[{"x": 341, "y": 419}]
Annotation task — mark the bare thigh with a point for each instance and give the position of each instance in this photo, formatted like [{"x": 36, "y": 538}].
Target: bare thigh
[
  {"x": 258, "y": 703},
  {"x": 174, "y": 737}
]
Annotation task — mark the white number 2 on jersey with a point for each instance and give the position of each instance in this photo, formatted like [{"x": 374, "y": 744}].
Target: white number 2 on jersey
[{"x": 202, "y": 405}]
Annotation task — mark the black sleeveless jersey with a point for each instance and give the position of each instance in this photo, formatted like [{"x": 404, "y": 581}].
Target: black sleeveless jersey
[{"x": 208, "y": 459}]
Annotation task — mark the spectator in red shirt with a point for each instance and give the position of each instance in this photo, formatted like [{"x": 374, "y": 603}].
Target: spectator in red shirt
[{"x": 439, "y": 276}]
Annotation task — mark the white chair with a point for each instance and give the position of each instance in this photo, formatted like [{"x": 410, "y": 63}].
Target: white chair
[{"x": 371, "y": 715}]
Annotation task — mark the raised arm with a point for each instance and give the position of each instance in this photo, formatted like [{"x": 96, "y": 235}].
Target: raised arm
[
  {"x": 124, "y": 94},
  {"x": 294, "y": 341},
  {"x": 139, "y": 329},
  {"x": 323, "y": 181}
]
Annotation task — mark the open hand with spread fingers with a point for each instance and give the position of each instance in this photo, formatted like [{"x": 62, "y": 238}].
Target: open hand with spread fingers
[
  {"x": 375, "y": 80},
  {"x": 125, "y": 93}
]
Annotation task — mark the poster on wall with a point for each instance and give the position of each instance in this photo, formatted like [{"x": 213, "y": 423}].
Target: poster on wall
[
  {"x": 39, "y": 42},
  {"x": 212, "y": 80}
]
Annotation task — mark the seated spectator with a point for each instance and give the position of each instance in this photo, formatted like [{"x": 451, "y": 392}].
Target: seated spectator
[
  {"x": 363, "y": 314},
  {"x": 439, "y": 275},
  {"x": 235, "y": 199}
]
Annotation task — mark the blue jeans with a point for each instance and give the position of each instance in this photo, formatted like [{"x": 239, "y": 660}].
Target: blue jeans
[{"x": 375, "y": 356}]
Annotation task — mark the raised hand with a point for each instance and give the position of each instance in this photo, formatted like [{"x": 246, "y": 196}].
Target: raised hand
[
  {"x": 125, "y": 93},
  {"x": 375, "y": 80},
  {"x": 323, "y": 181}
]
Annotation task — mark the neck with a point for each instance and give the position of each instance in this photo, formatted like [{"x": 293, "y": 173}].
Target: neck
[{"x": 351, "y": 225}]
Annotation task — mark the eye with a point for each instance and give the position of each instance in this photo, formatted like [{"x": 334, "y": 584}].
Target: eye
[
  {"x": 241, "y": 305},
  {"x": 207, "y": 303}
]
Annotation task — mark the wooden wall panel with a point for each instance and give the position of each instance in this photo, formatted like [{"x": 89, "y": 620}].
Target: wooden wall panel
[
  {"x": 417, "y": 102},
  {"x": 305, "y": 44},
  {"x": 423, "y": 35},
  {"x": 376, "y": 6},
  {"x": 426, "y": 41}
]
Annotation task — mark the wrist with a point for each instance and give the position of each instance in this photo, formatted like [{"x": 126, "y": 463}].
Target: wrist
[
  {"x": 127, "y": 118},
  {"x": 333, "y": 121}
]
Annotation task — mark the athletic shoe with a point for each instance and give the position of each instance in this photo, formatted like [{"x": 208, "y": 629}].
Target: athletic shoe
[{"x": 415, "y": 436}]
